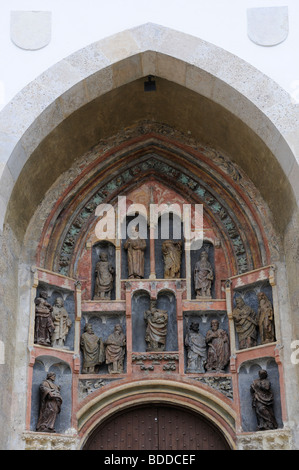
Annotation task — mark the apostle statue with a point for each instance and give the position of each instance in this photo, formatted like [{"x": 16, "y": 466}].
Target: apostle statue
[
  {"x": 245, "y": 320},
  {"x": 104, "y": 273},
  {"x": 262, "y": 402},
  {"x": 203, "y": 276},
  {"x": 135, "y": 248},
  {"x": 92, "y": 349},
  {"x": 218, "y": 348},
  {"x": 172, "y": 253},
  {"x": 44, "y": 326},
  {"x": 196, "y": 350},
  {"x": 156, "y": 327},
  {"x": 115, "y": 351},
  {"x": 62, "y": 323},
  {"x": 50, "y": 404},
  {"x": 265, "y": 319}
]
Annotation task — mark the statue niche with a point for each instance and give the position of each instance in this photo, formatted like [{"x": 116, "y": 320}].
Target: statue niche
[
  {"x": 50, "y": 404},
  {"x": 104, "y": 278},
  {"x": 135, "y": 248},
  {"x": 262, "y": 402},
  {"x": 203, "y": 276}
]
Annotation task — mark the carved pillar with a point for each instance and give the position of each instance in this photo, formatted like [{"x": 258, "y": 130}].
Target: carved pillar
[
  {"x": 229, "y": 309},
  {"x": 180, "y": 324},
  {"x": 32, "y": 307},
  {"x": 152, "y": 252},
  {"x": 188, "y": 269},
  {"x": 78, "y": 312}
]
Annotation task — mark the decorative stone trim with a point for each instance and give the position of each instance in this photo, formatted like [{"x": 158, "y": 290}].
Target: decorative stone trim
[
  {"x": 48, "y": 441},
  {"x": 221, "y": 384},
  {"x": 280, "y": 439}
]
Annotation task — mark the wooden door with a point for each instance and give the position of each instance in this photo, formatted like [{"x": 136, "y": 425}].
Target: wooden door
[{"x": 157, "y": 427}]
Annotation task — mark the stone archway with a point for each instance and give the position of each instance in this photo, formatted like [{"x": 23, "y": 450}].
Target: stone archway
[
  {"x": 86, "y": 98},
  {"x": 156, "y": 427}
]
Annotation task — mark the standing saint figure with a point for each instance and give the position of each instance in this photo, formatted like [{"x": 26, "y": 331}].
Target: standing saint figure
[
  {"x": 156, "y": 328},
  {"x": 93, "y": 350},
  {"x": 44, "y": 326},
  {"x": 245, "y": 320},
  {"x": 262, "y": 402},
  {"x": 104, "y": 273},
  {"x": 135, "y": 248},
  {"x": 62, "y": 323},
  {"x": 115, "y": 350},
  {"x": 218, "y": 348},
  {"x": 203, "y": 276},
  {"x": 172, "y": 253},
  {"x": 265, "y": 319},
  {"x": 50, "y": 404},
  {"x": 196, "y": 348}
]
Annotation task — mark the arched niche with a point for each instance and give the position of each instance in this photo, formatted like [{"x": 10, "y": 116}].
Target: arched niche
[
  {"x": 248, "y": 372},
  {"x": 170, "y": 227},
  {"x": 201, "y": 277},
  {"x": 107, "y": 249},
  {"x": 103, "y": 324},
  {"x": 42, "y": 366},
  {"x": 141, "y": 302},
  {"x": 68, "y": 299},
  {"x": 140, "y": 260},
  {"x": 211, "y": 87}
]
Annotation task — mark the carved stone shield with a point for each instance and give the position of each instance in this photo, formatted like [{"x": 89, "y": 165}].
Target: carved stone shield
[
  {"x": 30, "y": 30},
  {"x": 268, "y": 26}
]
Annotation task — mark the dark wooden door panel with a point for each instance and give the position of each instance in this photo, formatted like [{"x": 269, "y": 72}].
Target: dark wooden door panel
[{"x": 157, "y": 427}]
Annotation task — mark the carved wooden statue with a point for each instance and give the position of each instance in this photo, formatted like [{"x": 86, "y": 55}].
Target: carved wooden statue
[
  {"x": 104, "y": 273},
  {"x": 93, "y": 350},
  {"x": 203, "y": 276},
  {"x": 62, "y": 323},
  {"x": 115, "y": 351},
  {"x": 44, "y": 326},
  {"x": 135, "y": 248},
  {"x": 50, "y": 404},
  {"x": 262, "y": 402},
  {"x": 218, "y": 348},
  {"x": 265, "y": 319},
  {"x": 172, "y": 254},
  {"x": 245, "y": 320},
  {"x": 156, "y": 328},
  {"x": 196, "y": 348}
]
